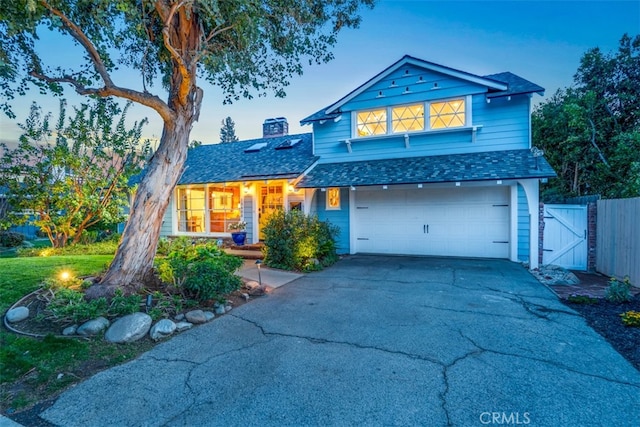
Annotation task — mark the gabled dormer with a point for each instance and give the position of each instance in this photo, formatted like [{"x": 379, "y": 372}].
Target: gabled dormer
[{"x": 416, "y": 108}]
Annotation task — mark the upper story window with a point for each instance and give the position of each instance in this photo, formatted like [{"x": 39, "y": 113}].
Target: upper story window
[
  {"x": 372, "y": 122},
  {"x": 447, "y": 114},
  {"x": 443, "y": 114},
  {"x": 407, "y": 118}
]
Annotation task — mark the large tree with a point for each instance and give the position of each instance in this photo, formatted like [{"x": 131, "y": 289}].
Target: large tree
[
  {"x": 75, "y": 175},
  {"x": 591, "y": 131},
  {"x": 246, "y": 47}
]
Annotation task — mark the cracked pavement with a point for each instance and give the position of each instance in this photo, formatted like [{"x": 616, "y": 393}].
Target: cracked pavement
[{"x": 375, "y": 340}]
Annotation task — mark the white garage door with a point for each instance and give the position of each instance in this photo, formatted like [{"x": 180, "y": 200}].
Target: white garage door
[{"x": 457, "y": 221}]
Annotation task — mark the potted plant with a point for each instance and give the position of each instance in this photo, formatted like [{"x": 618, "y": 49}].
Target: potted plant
[{"x": 238, "y": 232}]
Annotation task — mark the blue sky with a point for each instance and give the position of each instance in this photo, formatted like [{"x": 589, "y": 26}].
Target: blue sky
[{"x": 541, "y": 41}]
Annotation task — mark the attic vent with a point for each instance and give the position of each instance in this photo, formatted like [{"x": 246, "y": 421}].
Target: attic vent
[
  {"x": 256, "y": 147},
  {"x": 289, "y": 143}
]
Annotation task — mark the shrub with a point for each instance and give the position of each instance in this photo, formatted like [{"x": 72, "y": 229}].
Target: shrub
[
  {"x": 202, "y": 271},
  {"x": 631, "y": 318},
  {"x": 618, "y": 291},
  {"x": 582, "y": 299},
  {"x": 295, "y": 241},
  {"x": 69, "y": 305},
  {"x": 11, "y": 239}
]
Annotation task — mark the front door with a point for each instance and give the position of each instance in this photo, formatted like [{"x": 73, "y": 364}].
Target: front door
[{"x": 271, "y": 199}]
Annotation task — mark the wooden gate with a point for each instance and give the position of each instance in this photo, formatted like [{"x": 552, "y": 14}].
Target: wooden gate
[{"x": 565, "y": 236}]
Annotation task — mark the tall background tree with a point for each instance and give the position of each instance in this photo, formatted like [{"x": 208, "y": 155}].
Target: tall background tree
[
  {"x": 246, "y": 47},
  {"x": 228, "y": 131},
  {"x": 75, "y": 175},
  {"x": 590, "y": 132}
]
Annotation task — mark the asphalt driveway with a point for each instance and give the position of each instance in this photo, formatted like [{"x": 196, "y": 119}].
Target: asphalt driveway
[{"x": 375, "y": 341}]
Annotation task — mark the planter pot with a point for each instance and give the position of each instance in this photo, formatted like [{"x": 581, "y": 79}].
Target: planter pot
[{"x": 239, "y": 237}]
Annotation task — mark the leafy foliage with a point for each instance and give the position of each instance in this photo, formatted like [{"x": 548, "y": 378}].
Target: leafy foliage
[
  {"x": 591, "y": 132},
  {"x": 228, "y": 131},
  {"x": 74, "y": 176},
  {"x": 244, "y": 47},
  {"x": 295, "y": 241},
  {"x": 631, "y": 318},
  {"x": 202, "y": 271},
  {"x": 11, "y": 239},
  {"x": 619, "y": 291},
  {"x": 101, "y": 248}
]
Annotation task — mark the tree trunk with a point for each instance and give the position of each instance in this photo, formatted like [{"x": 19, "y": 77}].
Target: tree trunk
[{"x": 133, "y": 262}]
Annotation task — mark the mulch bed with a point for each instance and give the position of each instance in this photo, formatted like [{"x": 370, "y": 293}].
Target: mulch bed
[{"x": 604, "y": 316}]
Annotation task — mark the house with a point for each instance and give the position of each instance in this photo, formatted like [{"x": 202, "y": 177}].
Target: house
[{"x": 421, "y": 159}]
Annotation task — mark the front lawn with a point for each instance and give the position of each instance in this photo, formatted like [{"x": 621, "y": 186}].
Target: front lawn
[{"x": 32, "y": 369}]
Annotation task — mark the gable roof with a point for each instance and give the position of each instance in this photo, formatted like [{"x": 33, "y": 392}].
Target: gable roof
[
  {"x": 264, "y": 158},
  {"x": 501, "y": 84},
  {"x": 483, "y": 166}
]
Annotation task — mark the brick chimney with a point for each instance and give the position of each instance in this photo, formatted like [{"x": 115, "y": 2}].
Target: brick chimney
[{"x": 272, "y": 128}]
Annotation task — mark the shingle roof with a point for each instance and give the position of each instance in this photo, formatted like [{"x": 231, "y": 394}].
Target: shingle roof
[
  {"x": 483, "y": 166},
  {"x": 517, "y": 85},
  {"x": 229, "y": 162}
]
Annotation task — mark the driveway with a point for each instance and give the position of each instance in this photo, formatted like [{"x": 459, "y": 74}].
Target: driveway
[{"x": 375, "y": 341}]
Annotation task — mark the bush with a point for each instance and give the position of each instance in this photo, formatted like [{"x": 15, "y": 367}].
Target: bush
[
  {"x": 631, "y": 318},
  {"x": 201, "y": 271},
  {"x": 295, "y": 241},
  {"x": 582, "y": 299},
  {"x": 618, "y": 291},
  {"x": 11, "y": 239}
]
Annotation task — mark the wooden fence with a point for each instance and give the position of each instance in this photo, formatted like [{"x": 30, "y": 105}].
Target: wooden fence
[{"x": 618, "y": 239}]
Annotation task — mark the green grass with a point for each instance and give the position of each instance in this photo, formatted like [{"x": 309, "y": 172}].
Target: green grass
[
  {"x": 19, "y": 276},
  {"x": 37, "y": 363}
]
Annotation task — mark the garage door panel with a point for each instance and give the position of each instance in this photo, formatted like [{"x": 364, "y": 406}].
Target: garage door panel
[{"x": 451, "y": 222}]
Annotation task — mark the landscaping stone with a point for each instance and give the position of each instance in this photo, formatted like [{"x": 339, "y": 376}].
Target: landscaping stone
[
  {"x": 17, "y": 314},
  {"x": 129, "y": 328},
  {"x": 555, "y": 275},
  {"x": 93, "y": 327},
  {"x": 209, "y": 315},
  {"x": 252, "y": 284},
  {"x": 228, "y": 308},
  {"x": 196, "y": 316},
  {"x": 183, "y": 326},
  {"x": 162, "y": 329},
  {"x": 179, "y": 317},
  {"x": 245, "y": 296},
  {"x": 70, "y": 330},
  {"x": 220, "y": 309}
]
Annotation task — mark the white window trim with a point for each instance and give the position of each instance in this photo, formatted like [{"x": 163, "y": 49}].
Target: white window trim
[{"x": 468, "y": 115}]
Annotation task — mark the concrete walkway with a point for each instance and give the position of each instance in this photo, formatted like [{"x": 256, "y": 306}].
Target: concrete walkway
[
  {"x": 375, "y": 341},
  {"x": 267, "y": 276}
]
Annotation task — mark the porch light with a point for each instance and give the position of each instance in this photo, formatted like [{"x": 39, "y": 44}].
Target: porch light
[
  {"x": 419, "y": 185},
  {"x": 291, "y": 189},
  {"x": 323, "y": 189},
  {"x": 457, "y": 184},
  {"x": 384, "y": 187},
  {"x": 499, "y": 182}
]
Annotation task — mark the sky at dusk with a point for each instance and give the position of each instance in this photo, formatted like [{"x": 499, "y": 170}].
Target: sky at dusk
[{"x": 541, "y": 41}]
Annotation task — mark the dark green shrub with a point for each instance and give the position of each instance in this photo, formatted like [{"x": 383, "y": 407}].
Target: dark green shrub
[
  {"x": 295, "y": 241},
  {"x": 11, "y": 239},
  {"x": 201, "y": 271},
  {"x": 69, "y": 305},
  {"x": 619, "y": 291},
  {"x": 582, "y": 299}
]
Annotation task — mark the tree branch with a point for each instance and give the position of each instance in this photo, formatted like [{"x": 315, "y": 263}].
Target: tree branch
[
  {"x": 109, "y": 89},
  {"x": 143, "y": 98}
]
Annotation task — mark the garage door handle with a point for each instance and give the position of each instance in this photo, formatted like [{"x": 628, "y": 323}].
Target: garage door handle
[{"x": 425, "y": 229}]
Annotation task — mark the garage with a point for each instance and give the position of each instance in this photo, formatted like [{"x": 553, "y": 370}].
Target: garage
[{"x": 453, "y": 221}]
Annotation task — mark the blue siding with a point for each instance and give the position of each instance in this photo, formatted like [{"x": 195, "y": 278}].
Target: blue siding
[
  {"x": 504, "y": 122},
  {"x": 339, "y": 217},
  {"x": 523, "y": 226}
]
